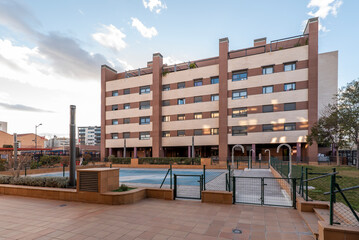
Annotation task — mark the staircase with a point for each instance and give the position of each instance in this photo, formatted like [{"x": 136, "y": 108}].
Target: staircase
[{"x": 312, "y": 218}]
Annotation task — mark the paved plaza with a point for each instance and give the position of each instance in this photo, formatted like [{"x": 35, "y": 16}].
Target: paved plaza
[{"x": 30, "y": 218}]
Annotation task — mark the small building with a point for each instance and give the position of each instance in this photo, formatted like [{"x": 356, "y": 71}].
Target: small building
[{"x": 90, "y": 135}]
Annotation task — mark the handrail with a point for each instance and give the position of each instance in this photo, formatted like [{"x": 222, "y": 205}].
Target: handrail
[
  {"x": 343, "y": 190},
  {"x": 287, "y": 38},
  {"x": 326, "y": 175},
  {"x": 165, "y": 177}
]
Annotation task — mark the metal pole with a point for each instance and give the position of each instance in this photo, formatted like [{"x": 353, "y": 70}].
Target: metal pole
[
  {"x": 290, "y": 157},
  {"x": 331, "y": 199},
  {"x": 267, "y": 150},
  {"x": 294, "y": 193},
  {"x": 15, "y": 150},
  {"x": 72, "y": 145},
  {"x": 204, "y": 177},
  {"x": 124, "y": 147},
  {"x": 233, "y": 148},
  {"x": 306, "y": 184},
  {"x": 171, "y": 176},
  {"x": 193, "y": 155}
]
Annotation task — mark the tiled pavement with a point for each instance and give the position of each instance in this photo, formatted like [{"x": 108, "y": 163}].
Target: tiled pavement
[{"x": 29, "y": 218}]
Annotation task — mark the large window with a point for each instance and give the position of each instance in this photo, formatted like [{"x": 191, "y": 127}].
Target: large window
[
  {"x": 198, "y": 116},
  {"x": 198, "y": 99},
  {"x": 181, "y": 85},
  {"x": 145, "y": 89},
  {"x": 114, "y": 93},
  {"x": 239, "y": 76},
  {"x": 267, "y": 89},
  {"x": 267, "y": 108},
  {"x": 114, "y": 122},
  {"x": 198, "y": 82},
  {"x": 126, "y": 106},
  {"x": 166, "y": 118},
  {"x": 126, "y": 120},
  {"x": 289, "y": 126},
  {"x": 166, "y": 134},
  {"x": 144, "y": 135},
  {"x": 165, "y": 103},
  {"x": 215, "y": 97},
  {"x": 239, "y": 130},
  {"x": 267, "y": 127},
  {"x": 289, "y": 67},
  {"x": 238, "y": 94},
  {"x": 289, "y": 86},
  {"x": 181, "y": 101},
  {"x": 239, "y": 112},
  {"x": 289, "y": 106},
  {"x": 214, "y": 131},
  {"x": 145, "y": 105},
  {"x": 126, "y": 91},
  {"x": 214, "y": 80},
  {"x": 126, "y": 135},
  {"x": 144, "y": 120},
  {"x": 181, "y": 117},
  {"x": 181, "y": 133},
  {"x": 114, "y": 135},
  {"x": 166, "y": 87},
  {"x": 114, "y": 107},
  {"x": 214, "y": 114},
  {"x": 198, "y": 132},
  {"x": 267, "y": 70}
]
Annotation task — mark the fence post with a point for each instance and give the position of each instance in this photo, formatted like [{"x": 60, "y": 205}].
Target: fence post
[
  {"x": 171, "y": 176},
  {"x": 306, "y": 184},
  {"x": 204, "y": 177},
  {"x": 226, "y": 181},
  {"x": 301, "y": 182},
  {"x": 110, "y": 165},
  {"x": 63, "y": 170},
  {"x": 332, "y": 179},
  {"x": 262, "y": 191},
  {"x": 229, "y": 178},
  {"x": 234, "y": 190},
  {"x": 25, "y": 171},
  {"x": 294, "y": 190},
  {"x": 334, "y": 197}
]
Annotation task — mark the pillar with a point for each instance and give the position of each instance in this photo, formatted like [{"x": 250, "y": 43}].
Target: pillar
[
  {"x": 223, "y": 101},
  {"x": 189, "y": 151},
  {"x": 157, "y": 105},
  {"x": 118, "y": 153},
  {"x": 135, "y": 152},
  {"x": 254, "y": 153},
  {"x": 312, "y": 30},
  {"x": 110, "y": 151},
  {"x": 299, "y": 151}
]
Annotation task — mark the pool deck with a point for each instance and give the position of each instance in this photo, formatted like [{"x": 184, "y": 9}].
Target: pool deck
[{"x": 29, "y": 218}]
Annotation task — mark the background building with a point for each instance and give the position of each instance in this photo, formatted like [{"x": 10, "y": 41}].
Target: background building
[
  {"x": 90, "y": 135},
  {"x": 3, "y": 126},
  {"x": 56, "y": 142},
  {"x": 260, "y": 96}
]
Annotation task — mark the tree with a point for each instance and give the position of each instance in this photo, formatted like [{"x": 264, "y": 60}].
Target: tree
[
  {"x": 328, "y": 130},
  {"x": 348, "y": 100}
]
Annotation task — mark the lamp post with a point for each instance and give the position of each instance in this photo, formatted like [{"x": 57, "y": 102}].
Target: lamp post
[
  {"x": 290, "y": 157},
  {"x": 233, "y": 148},
  {"x": 267, "y": 150},
  {"x": 36, "y": 126}
]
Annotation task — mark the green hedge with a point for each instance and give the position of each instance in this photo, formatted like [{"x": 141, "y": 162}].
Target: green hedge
[
  {"x": 55, "y": 182},
  {"x": 169, "y": 160},
  {"x": 117, "y": 160}
]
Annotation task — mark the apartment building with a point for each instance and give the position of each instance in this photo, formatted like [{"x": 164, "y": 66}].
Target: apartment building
[
  {"x": 90, "y": 135},
  {"x": 260, "y": 97},
  {"x": 3, "y": 126}
]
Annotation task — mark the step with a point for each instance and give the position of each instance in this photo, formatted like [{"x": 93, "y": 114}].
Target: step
[
  {"x": 311, "y": 219},
  {"x": 322, "y": 214}
]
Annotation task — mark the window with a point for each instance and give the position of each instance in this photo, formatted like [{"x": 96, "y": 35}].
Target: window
[
  {"x": 165, "y": 102},
  {"x": 197, "y": 99},
  {"x": 198, "y": 82},
  {"x": 239, "y": 130},
  {"x": 238, "y": 94},
  {"x": 144, "y": 135},
  {"x": 214, "y": 131},
  {"x": 239, "y": 112},
  {"x": 181, "y": 101},
  {"x": 126, "y": 121},
  {"x": 166, "y": 87},
  {"x": 126, "y": 91},
  {"x": 145, "y": 89},
  {"x": 144, "y": 120},
  {"x": 114, "y": 122},
  {"x": 166, "y": 118},
  {"x": 126, "y": 106},
  {"x": 267, "y": 108},
  {"x": 145, "y": 105},
  {"x": 239, "y": 76},
  {"x": 215, "y": 97},
  {"x": 114, "y": 107},
  {"x": 267, "y": 89},
  {"x": 181, "y": 133},
  {"x": 267, "y": 127},
  {"x": 126, "y": 135},
  {"x": 114, "y": 93},
  {"x": 267, "y": 70},
  {"x": 114, "y": 135},
  {"x": 181, "y": 117},
  {"x": 181, "y": 85},
  {"x": 289, "y": 67},
  {"x": 166, "y": 134},
  {"x": 214, "y": 114},
  {"x": 198, "y": 132},
  {"x": 289, "y": 126},
  {"x": 198, "y": 116},
  {"x": 289, "y": 86},
  {"x": 214, "y": 80},
  {"x": 289, "y": 106}
]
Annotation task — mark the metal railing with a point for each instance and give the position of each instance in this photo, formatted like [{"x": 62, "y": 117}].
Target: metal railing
[{"x": 169, "y": 171}]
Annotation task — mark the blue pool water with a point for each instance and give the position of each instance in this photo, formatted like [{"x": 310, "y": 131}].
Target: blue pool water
[{"x": 155, "y": 176}]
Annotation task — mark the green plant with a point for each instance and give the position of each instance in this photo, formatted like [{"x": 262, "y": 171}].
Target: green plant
[
  {"x": 164, "y": 73},
  {"x": 117, "y": 160},
  {"x": 55, "y": 182},
  {"x": 84, "y": 163},
  {"x": 192, "y": 65},
  {"x": 5, "y": 179},
  {"x": 280, "y": 48},
  {"x": 7, "y": 146},
  {"x": 170, "y": 160},
  {"x": 123, "y": 188},
  {"x": 49, "y": 160},
  {"x": 33, "y": 165},
  {"x": 306, "y": 41},
  {"x": 2, "y": 165},
  {"x": 297, "y": 44}
]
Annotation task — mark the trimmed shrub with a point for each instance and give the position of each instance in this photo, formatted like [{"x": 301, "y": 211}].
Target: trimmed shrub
[
  {"x": 169, "y": 160},
  {"x": 5, "y": 179},
  {"x": 55, "y": 182},
  {"x": 50, "y": 160},
  {"x": 117, "y": 160}
]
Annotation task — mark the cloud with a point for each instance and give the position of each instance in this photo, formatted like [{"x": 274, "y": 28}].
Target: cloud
[
  {"x": 110, "y": 37},
  {"x": 124, "y": 65},
  {"x": 323, "y": 8},
  {"x": 154, "y": 5},
  {"x": 171, "y": 60},
  {"x": 20, "y": 107},
  {"x": 145, "y": 32}
]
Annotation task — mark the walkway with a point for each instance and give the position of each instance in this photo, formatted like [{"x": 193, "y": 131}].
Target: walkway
[{"x": 29, "y": 218}]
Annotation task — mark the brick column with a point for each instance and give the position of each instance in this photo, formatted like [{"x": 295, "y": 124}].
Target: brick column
[
  {"x": 135, "y": 152},
  {"x": 223, "y": 101},
  {"x": 110, "y": 151},
  {"x": 157, "y": 105},
  {"x": 254, "y": 153},
  {"x": 118, "y": 153},
  {"x": 189, "y": 151},
  {"x": 312, "y": 29}
]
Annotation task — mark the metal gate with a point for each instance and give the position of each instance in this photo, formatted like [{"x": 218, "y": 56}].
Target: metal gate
[
  {"x": 188, "y": 186},
  {"x": 264, "y": 191}
]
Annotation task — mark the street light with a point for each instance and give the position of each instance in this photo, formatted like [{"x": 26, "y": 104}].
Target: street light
[
  {"x": 290, "y": 157},
  {"x": 267, "y": 150},
  {"x": 36, "y": 126}
]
